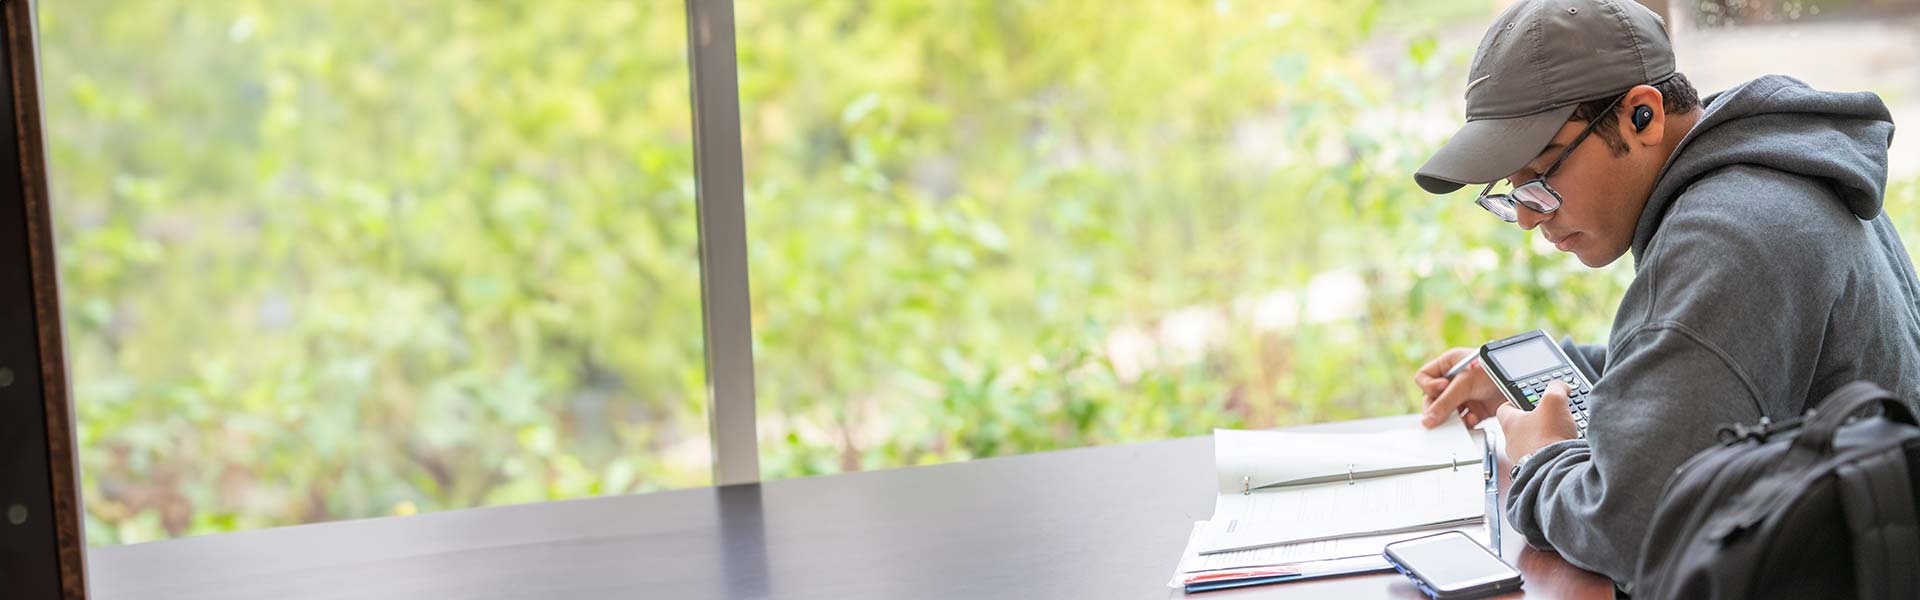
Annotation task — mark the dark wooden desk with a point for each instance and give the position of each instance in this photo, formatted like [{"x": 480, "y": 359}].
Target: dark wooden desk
[{"x": 1106, "y": 522}]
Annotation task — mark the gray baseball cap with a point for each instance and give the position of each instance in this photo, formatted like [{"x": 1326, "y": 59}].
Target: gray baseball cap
[{"x": 1540, "y": 60}]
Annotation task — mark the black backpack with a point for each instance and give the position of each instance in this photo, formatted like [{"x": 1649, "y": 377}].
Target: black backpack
[{"x": 1812, "y": 507}]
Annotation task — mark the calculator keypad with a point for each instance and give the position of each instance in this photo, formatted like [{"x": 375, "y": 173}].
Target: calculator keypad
[{"x": 1577, "y": 392}]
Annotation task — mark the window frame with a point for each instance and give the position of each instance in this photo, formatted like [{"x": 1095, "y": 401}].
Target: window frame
[{"x": 40, "y": 507}]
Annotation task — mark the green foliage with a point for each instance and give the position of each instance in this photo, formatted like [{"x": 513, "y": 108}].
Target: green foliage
[
  {"x": 354, "y": 258},
  {"x": 341, "y": 259}
]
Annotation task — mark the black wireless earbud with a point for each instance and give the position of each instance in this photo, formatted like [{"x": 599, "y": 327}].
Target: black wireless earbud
[{"x": 1642, "y": 117}]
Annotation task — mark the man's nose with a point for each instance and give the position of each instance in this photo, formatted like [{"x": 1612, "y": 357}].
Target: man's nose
[{"x": 1527, "y": 218}]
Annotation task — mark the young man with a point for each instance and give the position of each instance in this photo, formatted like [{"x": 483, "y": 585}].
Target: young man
[{"x": 1765, "y": 275}]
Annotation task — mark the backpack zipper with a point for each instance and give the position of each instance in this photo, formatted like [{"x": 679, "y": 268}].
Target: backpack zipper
[{"x": 1735, "y": 433}]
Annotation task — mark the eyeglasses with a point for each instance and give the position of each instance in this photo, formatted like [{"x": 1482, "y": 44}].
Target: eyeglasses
[{"x": 1535, "y": 194}]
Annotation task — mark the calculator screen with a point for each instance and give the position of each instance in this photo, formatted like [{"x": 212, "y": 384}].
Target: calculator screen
[{"x": 1520, "y": 360}]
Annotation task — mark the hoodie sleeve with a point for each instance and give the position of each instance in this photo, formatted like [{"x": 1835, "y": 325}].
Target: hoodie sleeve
[{"x": 1591, "y": 499}]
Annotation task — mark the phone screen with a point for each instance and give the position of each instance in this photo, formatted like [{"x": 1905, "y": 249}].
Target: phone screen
[{"x": 1450, "y": 562}]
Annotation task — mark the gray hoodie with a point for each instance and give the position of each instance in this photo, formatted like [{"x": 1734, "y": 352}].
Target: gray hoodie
[{"x": 1765, "y": 276}]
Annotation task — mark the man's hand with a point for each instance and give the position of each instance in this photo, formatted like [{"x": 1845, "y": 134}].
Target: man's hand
[
  {"x": 1548, "y": 422},
  {"x": 1470, "y": 393}
]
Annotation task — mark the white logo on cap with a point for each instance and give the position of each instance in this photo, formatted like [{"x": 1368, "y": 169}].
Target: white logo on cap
[{"x": 1475, "y": 82}]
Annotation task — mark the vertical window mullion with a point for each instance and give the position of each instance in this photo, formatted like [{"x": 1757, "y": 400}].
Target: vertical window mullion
[{"x": 719, "y": 181}]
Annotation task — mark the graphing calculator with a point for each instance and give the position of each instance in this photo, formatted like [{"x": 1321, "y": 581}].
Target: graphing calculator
[{"x": 1524, "y": 364}]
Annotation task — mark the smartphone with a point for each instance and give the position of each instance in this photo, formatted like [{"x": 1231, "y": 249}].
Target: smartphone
[
  {"x": 1524, "y": 364},
  {"x": 1450, "y": 565}
]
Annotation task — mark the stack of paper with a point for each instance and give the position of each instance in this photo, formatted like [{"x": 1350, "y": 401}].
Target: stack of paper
[
  {"x": 1287, "y": 562},
  {"x": 1295, "y": 505}
]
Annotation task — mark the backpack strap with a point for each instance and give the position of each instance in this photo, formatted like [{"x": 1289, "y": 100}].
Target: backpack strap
[
  {"x": 1876, "y": 495},
  {"x": 1816, "y": 437}
]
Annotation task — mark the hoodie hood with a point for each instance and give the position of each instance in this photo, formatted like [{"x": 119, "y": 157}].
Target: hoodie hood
[{"x": 1777, "y": 122}]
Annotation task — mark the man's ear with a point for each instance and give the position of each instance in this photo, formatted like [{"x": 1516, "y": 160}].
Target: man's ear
[{"x": 1656, "y": 126}]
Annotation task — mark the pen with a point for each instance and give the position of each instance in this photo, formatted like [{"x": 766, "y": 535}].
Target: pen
[{"x": 1461, "y": 366}]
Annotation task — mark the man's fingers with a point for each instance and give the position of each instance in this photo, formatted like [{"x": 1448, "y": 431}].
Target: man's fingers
[
  {"x": 1439, "y": 365},
  {"x": 1508, "y": 412},
  {"x": 1555, "y": 396},
  {"x": 1443, "y": 398},
  {"x": 1448, "y": 403}
]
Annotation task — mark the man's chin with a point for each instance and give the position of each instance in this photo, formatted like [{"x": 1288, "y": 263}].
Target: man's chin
[{"x": 1596, "y": 260}]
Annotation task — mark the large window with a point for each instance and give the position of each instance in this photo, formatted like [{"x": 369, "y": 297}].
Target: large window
[
  {"x": 337, "y": 259},
  {"x": 342, "y": 259}
]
